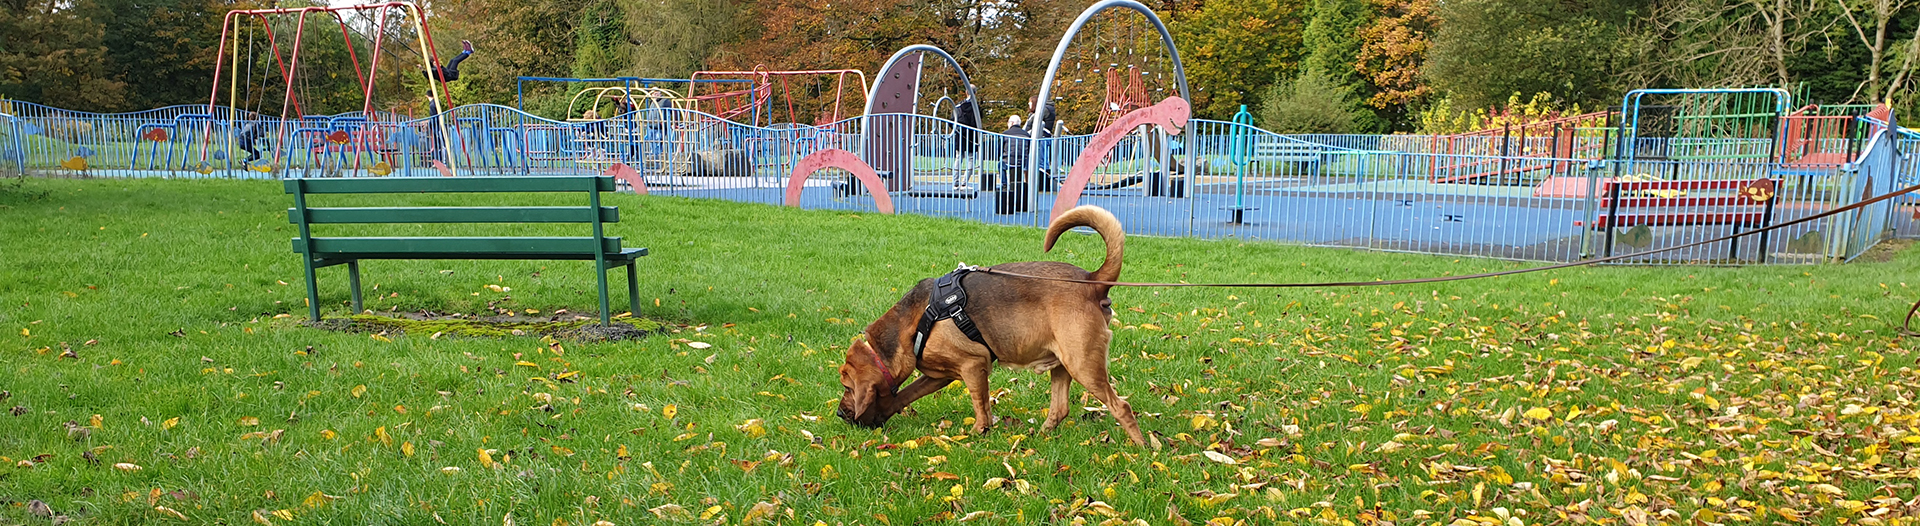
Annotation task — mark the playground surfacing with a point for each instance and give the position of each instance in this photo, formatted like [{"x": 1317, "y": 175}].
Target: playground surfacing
[
  {"x": 1484, "y": 220},
  {"x": 1309, "y": 216},
  {"x": 1403, "y": 214}
]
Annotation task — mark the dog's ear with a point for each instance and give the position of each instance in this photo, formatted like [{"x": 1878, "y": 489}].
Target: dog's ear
[{"x": 859, "y": 378}]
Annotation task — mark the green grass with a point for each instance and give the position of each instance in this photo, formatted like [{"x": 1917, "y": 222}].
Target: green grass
[{"x": 1617, "y": 394}]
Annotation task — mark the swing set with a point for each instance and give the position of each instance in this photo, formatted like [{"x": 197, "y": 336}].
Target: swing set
[{"x": 330, "y": 140}]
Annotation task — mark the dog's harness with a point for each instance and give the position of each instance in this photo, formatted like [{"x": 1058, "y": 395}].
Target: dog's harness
[{"x": 949, "y": 300}]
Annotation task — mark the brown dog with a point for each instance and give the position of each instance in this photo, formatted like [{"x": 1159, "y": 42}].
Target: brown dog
[{"x": 1040, "y": 325}]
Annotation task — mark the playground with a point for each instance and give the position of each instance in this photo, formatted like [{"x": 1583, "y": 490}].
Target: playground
[{"x": 425, "y": 353}]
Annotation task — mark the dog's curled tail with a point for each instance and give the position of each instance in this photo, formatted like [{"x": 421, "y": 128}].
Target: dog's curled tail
[{"x": 1102, "y": 222}]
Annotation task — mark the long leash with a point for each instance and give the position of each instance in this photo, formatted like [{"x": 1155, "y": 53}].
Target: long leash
[{"x": 1908, "y": 325}]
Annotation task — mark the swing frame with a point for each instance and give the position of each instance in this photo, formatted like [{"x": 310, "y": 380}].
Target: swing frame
[{"x": 289, "y": 68}]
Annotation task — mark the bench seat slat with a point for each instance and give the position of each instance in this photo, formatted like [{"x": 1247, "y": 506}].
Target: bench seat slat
[
  {"x": 1749, "y": 219},
  {"x": 449, "y": 214},
  {"x": 1680, "y": 202},
  {"x": 1710, "y": 184},
  {"x": 456, "y": 246},
  {"x": 1267, "y": 151},
  {"x": 404, "y": 185}
]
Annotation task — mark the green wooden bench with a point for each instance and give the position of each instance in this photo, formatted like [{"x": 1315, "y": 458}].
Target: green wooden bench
[
  {"x": 1289, "y": 152},
  {"x": 319, "y": 252}
]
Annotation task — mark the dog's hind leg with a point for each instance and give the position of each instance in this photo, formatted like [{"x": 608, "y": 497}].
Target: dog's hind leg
[
  {"x": 1089, "y": 367},
  {"x": 1102, "y": 388},
  {"x": 1062, "y": 381}
]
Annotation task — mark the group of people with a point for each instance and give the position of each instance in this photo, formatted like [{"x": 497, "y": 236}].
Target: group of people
[{"x": 1013, "y": 159}]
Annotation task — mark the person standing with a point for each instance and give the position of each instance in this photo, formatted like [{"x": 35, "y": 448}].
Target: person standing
[
  {"x": 965, "y": 140},
  {"x": 1042, "y": 131}
]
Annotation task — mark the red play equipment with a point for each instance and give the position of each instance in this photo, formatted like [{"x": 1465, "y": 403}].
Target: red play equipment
[
  {"x": 1559, "y": 137},
  {"x": 1123, "y": 96},
  {"x": 377, "y": 18},
  {"x": 756, "y": 101},
  {"x": 1815, "y": 138}
]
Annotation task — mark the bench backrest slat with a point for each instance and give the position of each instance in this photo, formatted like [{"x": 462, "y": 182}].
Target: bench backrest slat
[
  {"x": 1285, "y": 151},
  {"x": 402, "y": 185},
  {"x": 1706, "y": 184},
  {"x": 450, "y": 245},
  {"x": 529, "y": 214}
]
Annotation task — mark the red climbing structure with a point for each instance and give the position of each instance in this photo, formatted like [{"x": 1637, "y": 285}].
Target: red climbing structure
[
  {"x": 1553, "y": 140},
  {"x": 1124, "y": 94}
]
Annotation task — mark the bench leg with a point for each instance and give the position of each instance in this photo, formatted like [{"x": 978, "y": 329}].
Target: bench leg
[
  {"x": 1733, "y": 245},
  {"x": 602, "y": 274},
  {"x": 633, "y": 289},
  {"x": 353, "y": 280},
  {"x": 313, "y": 291}
]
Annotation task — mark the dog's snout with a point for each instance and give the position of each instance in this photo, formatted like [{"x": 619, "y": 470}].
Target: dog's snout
[{"x": 844, "y": 414}]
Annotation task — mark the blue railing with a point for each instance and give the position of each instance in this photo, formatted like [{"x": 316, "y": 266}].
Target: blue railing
[{"x": 1444, "y": 195}]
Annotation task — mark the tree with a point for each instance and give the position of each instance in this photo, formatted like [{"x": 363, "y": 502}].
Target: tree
[
  {"x": 1234, "y": 50},
  {"x": 1488, "y": 50},
  {"x": 1880, "y": 16},
  {"x": 1312, "y": 103},
  {"x": 512, "y": 38},
  {"x": 1004, "y": 45},
  {"x": 600, "y": 43},
  {"x": 1906, "y": 101},
  {"x": 1333, "y": 43},
  {"x": 162, "y": 49},
  {"x": 673, "y": 38},
  {"x": 1393, "y": 51},
  {"x": 1706, "y": 43},
  {"x": 51, "y": 53}
]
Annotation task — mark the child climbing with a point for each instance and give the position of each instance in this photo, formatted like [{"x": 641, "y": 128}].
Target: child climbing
[
  {"x": 447, "y": 73},
  {"x": 250, "y": 134},
  {"x": 451, "y": 71}
]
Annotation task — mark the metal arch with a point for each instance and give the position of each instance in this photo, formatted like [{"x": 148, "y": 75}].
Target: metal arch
[
  {"x": 874, "y": 91},
  {"x": 1053, "y": 69}
]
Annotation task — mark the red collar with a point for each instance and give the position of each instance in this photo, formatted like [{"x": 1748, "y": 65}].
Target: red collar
[{"x": 892, "y": 386}]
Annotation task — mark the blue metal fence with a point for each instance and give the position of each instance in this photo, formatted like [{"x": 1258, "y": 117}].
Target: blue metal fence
[
  {"x": 1475, "y": 196},
  {"x": 13, "y": 154}
]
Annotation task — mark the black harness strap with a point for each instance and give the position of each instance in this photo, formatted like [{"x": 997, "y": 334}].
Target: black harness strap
[{"x": 949, "y": 300}]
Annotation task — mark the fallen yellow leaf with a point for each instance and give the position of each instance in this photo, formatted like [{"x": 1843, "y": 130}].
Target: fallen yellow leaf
[
  {"x": 170, "y": 512},
  {"x": 1217, "y": 456},
  {"x": 317, "y": 499}
]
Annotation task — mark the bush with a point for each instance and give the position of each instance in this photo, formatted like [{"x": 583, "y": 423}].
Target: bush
[
  {"x": 1312, "y": 103},
  {"x": 1442, "y": 118}
]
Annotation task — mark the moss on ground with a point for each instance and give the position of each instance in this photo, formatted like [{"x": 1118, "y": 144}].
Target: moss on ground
[{"x": 573, "y": 329}]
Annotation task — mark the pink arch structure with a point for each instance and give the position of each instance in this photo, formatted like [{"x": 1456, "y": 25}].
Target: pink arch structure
[
  {"x": 622, "y": 172},
  {"x": 845, "y": 160},
  {"x": 1170, "y": 114}
]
